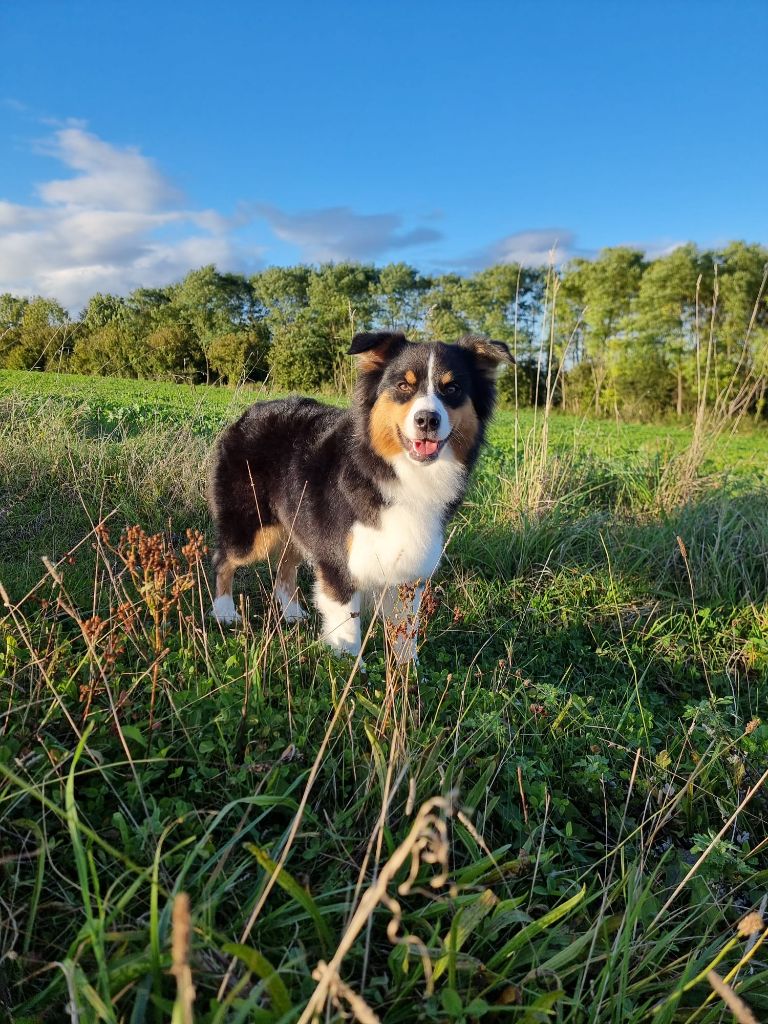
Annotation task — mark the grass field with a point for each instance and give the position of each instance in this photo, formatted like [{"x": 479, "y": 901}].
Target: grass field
[{"x": 560, "y": 816}]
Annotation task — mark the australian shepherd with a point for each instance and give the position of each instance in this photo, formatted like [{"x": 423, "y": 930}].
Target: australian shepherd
[{"x": 363, "y": 494}]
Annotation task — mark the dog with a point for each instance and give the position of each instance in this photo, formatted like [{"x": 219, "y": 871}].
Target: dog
[{"x": 364, "y": 494}]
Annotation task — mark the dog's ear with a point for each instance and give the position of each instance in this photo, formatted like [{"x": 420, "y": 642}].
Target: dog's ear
[
  {"x": 376, "y": 348},
  {"x": 492, "y": 357}
]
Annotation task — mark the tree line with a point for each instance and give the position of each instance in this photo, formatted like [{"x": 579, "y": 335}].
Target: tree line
[{"x": 616, "y": 335}]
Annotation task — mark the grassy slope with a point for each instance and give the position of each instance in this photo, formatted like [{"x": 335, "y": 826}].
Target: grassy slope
[{"x": 588, "y": 687}]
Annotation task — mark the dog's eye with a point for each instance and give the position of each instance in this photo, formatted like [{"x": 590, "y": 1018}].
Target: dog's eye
[
  {"x": 451, "y": 389},
  {"x": 404, "y": 386}
]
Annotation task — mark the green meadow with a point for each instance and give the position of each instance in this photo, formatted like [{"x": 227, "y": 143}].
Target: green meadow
[{"x": 559, "y": 815}]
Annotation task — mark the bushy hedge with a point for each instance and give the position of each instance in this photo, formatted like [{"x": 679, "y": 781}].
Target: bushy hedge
[{"x": 615, "y": 335}]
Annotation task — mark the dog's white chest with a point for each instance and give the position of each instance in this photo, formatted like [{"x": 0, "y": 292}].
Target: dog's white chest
[
  {"x": 407, "y": 543},
  {"x": 405, "y": 546}
]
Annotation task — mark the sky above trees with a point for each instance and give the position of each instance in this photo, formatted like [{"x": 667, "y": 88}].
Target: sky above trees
[{"x": 142, "y": 140}]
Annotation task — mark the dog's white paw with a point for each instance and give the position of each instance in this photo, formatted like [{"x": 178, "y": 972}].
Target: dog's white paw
[
  {"x": 293, "y": 612},
  {"x": 345, "y": 649},
  {"x": 224, "y": 611},
  {"x": 340, "y": 645}
]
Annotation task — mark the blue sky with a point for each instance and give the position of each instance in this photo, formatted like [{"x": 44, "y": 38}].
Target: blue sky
[{"x": 141, "y": 139}]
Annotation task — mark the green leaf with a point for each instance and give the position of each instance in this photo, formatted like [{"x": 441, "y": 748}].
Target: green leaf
[
  {"x": 289, "y": 884},
  {"x": 132, "y": 732},
  {"x": 542, "y": 1004},
  {"x": 467, "y": 919},
  {"x": 259, "y": 965},
  {"x": 452, "y": 1003},
  {"x": 535, "y": 928}
]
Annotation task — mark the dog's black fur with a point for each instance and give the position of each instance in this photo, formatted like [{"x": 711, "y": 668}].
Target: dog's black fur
[{"x": 309, "y": 473}]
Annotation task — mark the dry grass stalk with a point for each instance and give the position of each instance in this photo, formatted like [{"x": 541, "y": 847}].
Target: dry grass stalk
[
  {"x": 426, "y": 843},
  {"x": 724, "y": 414},
  {"x": 339, "y": 993},
  {"x": 735, "y": 1003},
  {"x": 181, "y": 933}
]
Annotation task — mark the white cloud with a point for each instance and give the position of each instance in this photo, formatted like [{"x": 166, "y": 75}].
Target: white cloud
[
  {"x": 534, "y": 248},
  {"x": 110, "y": 178},
  {"x": 115, "y": 222},
  {"x": 654, "y": 250},
  {"x": 104, "y": 227},
  {"x": 338, "y": 233}
]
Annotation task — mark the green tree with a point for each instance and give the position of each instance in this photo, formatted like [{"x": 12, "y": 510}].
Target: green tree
[
  {"x": 43, "y": 338},
  {"x": 673, "y": 305},
  {"x": 109, "y": 350},
  {"x": 282, "y": 291},
  {"x": 102, "y": 309},
  {"x": 742, "y": 322},
  {"x": 172, "y": 352},
  {"x": 240, "y": 355},
  {"x": 594, "y": 304},
  {"x": 300, "y": 358},
  {"x": 12, "y": 310},
  {"x": 445, "y": 317},
  {"x": 147, "y": 309},
  {"x": 311, "y": 329},
  {"x": 400, "y": 294}
]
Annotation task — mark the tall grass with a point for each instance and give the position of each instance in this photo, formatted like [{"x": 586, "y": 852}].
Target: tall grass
[{"x": 560, "y": 814}]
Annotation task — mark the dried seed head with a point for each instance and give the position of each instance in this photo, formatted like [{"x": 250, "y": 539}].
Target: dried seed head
[
  {"x": 750, "y": 924},
  {"x": 92, "y": 627}
]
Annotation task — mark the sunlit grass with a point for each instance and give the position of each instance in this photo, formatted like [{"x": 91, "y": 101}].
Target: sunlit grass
[{"x": 586, "y": 737}]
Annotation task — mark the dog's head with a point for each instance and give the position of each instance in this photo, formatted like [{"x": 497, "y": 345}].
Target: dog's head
[{"x": 423, "y": 400}]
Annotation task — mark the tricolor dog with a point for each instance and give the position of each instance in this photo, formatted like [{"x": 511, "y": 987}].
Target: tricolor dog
[{"x": 363, "y": 494}]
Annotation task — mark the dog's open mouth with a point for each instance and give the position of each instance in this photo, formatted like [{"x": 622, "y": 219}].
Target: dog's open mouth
[{"x": 422, "y": 449}]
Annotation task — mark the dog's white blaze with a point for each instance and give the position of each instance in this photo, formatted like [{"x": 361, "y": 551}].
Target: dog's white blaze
[
  {"x": 341, "y": 622},
  {"x": 407, "y": 544},
  {"x": 429, "y": 403},
  {"x": 224, "y": 610}
]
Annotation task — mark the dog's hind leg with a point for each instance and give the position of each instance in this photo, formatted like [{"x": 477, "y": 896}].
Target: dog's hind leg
[
  {"x": 286, "y": 586},
  {"x": 224, "y": 606},
  {"x": 225, "y": 562}
]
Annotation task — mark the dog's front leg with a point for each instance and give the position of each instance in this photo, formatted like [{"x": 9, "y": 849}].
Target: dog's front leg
[
  {"x": 339, "y": 607},
  {"x": 400, "y": 609}
]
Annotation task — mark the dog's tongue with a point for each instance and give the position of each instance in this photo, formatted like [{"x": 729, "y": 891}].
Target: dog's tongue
[{"x": 425, "y": 447}]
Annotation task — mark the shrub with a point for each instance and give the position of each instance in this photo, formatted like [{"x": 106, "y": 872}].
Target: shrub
[{"x": 240, "y": 355}]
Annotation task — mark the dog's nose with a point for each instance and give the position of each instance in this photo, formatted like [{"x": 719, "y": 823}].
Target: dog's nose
[{"x": 427, "y": 419}]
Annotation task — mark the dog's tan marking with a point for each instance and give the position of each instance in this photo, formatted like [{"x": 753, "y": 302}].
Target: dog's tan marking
[
  {"x": 410, "y": 377},
  {"x": 224, "y": 576},
  {"x": 286, "y": 579},
  {"x": 264, "y": 543},
  {"x": 386, "y": 417},
  {"x": 446, "y": 378},
  {"x": 369, "y": 361},
  {"x": 375, "y": 358},
  {"x": 464, "y": 429}
]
